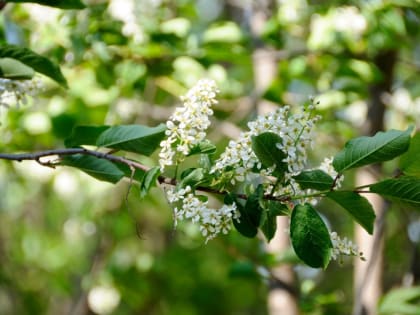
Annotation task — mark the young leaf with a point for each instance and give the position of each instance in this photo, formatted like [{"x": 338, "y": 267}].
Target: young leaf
[
  {"x": 358, "y": 207},
  {"x": 204, "y": 147},
  {"x": 84, "y": 135},
  {"x": 409, "y": 162},
  {"x": 37, "y": 62},
  {"x": 62, "y": 4},
  {"x": 192, "y": 178},
  {"x": 381, "y": 147},
  {"x": 265, "y": 148},
  {"x": 315, "y": 179},
  {"x": 13, "y": 69},
  {"x": 405, "y": 189},
  {"x": 99, "y": 168},
  {"x": 133, "y": 138},
  {"x": 149, "y": 180},
  {"x": 310, "y": 237}
]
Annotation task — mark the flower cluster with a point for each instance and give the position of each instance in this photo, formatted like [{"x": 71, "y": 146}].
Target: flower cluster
[
  {"x": 195, "y": 208},
  {"x": 187, "y": 125},
  {"x": 239, "y": 161},
  {"x": 15, "y": 92},
  {"x": 343, "y": 246}
]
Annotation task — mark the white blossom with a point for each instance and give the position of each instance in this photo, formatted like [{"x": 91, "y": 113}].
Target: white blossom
[
  {"x": 191, "y": 207},
  {"x": 187, "y": 125},
  {"x": 343, "y": 246},
  {"x": 16, "y": 92},
  {"x": 238, "y": 161},
  {"x": 328, "y": 168}
]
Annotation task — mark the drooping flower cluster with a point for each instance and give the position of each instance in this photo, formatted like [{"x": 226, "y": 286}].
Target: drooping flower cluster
[
  {"x": 187, "y": 125},
  {"x": 195, "y": 208},
  {"x": 343, "y": 246},
  {"x": 239, "y": 161},
  {"x": 16, "y": 92}
]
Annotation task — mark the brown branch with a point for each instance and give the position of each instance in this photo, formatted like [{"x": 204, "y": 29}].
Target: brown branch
[{"x": 70, "y": 151}]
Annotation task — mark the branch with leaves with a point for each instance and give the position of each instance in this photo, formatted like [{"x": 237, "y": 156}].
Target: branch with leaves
[{"x": 261, "y": 175}]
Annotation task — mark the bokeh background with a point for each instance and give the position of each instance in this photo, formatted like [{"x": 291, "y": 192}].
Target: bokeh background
[{"x": 70, "y": 244}]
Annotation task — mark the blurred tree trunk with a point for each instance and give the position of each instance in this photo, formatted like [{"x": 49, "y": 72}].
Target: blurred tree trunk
[
  {"x": 368, "y": 275},
  {"x": 282, "y": 298}
]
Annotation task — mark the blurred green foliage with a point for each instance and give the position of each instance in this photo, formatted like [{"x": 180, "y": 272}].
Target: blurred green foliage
[{"x": 63, "y": 234}]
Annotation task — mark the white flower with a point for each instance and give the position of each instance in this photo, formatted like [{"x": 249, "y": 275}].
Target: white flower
[
  {"x": 296, "y": 131},
  {"x": 328, "y": 168},
  {"x": 16, "y": 92},
  {"x": 211, "y": 221},
  {"x": 187, "y": 125},
  {"x": 343, "y": 246}
]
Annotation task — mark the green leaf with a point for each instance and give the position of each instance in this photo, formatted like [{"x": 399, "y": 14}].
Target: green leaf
[
  {"x": 84, "y": 135},
  {"x": 133, "y": 138},
  {"x": 99, "y": 168},
  {"x": 14, "y": 69},
  {"x": 315, "y": 179},
  {"x": 276, "y": 208},
  {"x": 149, "y": 181},
  {"x": 269, "y": 226},
  {"x": 265, "y": 148},
  {"x": 273, "y": 209},
  {"x": 402, "y": 301},
  {"x": 405, "y": 190},
  {"x": 62, "y": 4},
  {"x": 409, "y": 162},
  {"x": 250, "y": 218},
  {"x": 310, "y": 237},
  {"x": 192, "y": 177},
  {"x": 381, "y": 147},
  {"x": 358, "y": 207},
  {"x": 37, "y": 62},
  {"x": 204, "y": 147}
]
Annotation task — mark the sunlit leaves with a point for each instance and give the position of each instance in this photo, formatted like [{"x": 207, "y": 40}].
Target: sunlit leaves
[
  {"x": 382, "y": 147},
  {"x": 310, "y": 237},
  {"x": 35, "y": 61}
]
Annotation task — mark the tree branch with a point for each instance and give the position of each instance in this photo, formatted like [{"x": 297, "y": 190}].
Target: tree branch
[
  {"x": 71, "y": 151},
  {"x": 37, "y": 156}
]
